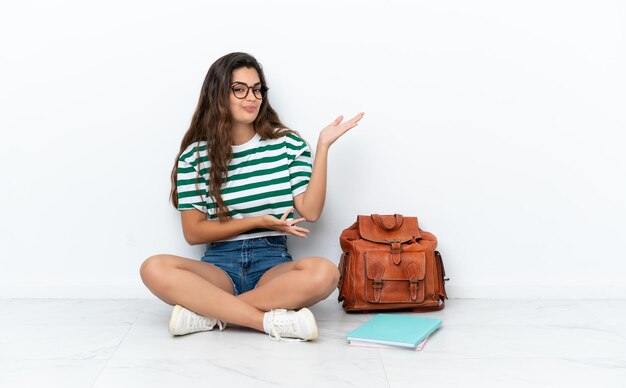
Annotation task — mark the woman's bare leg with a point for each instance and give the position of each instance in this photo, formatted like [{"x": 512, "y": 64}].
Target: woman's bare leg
[
  {"x": 294, "y": 285},
  {"x": 200, "y": 287}
]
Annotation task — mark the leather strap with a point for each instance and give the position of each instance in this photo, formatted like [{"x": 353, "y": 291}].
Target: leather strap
[
  {"x": 411, "y": 272},
  {"x": 396, "y": 251},
  {"x": 378, "y": 220},
  {"x": 442, "y": 292},
  {"x": 342, "y": 274},
  {"x": 378, "y": 270}
]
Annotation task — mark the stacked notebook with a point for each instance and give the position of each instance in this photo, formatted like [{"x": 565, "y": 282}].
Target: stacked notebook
[{"x": 394, "y": 331}]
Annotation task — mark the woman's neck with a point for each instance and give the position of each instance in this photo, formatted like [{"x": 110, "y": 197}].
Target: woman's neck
[{"x": 242, "y": 133}]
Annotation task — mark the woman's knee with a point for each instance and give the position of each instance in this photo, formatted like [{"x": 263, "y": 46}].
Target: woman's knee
[
  {"x": 153, "y": 269},
  {"x": 324, "y": 275}
]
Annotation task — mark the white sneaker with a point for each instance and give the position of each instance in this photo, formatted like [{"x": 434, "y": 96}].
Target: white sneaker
[
  {"x": 297, "y": 325},
  {"x": 183, "y": 321}
]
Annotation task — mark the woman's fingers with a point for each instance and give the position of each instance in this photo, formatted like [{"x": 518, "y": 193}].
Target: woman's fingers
[
  {"x": 300, "y": 229},
  {"x": 353, "y": 121},
  {"x": 297, "y": 231},
  {"x": 293, "y": 222},
  {"x": 350, "y": 122},
  {"x": 335, "y": 122},
  {"x": 336, "y": 129},
  {"x": 286, "y": 214},
  {"x": 289, "y": 226}
]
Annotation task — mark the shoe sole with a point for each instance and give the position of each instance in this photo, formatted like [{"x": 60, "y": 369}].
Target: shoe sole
[
  {"x": 174, "y": 318},
  {"x": 312, "y": 322}
]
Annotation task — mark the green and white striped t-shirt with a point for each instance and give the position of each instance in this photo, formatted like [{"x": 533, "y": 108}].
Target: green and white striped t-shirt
[{"x": 264, "y": 175}]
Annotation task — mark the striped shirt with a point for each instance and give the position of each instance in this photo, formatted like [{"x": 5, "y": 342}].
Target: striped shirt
[{"x": 264, "y": 175}]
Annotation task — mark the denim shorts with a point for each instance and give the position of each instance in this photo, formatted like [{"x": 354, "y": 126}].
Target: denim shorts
[{"x": 245, "y": 261}]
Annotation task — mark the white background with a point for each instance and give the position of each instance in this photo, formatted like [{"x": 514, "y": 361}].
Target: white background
[{"x": 499, "y": 124}]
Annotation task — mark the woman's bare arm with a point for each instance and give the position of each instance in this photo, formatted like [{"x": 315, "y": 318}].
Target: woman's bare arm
[
  {"x": 311, "y": 203},
  {"x": 198, "y": 230}
]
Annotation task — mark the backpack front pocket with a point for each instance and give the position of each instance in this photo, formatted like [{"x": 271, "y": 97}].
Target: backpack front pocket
[{"x": 390, "y": 281}]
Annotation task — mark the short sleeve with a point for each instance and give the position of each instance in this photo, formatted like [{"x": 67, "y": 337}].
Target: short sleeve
[
  {"x": 191, "y": 185},
  {"x": 300, "y": 166}
]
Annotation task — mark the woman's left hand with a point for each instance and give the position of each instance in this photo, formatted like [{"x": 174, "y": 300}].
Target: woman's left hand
[{"x": 334, "y": 130}]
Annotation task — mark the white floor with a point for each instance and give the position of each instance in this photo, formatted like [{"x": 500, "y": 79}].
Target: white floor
[{"x": 493, "y": 343}]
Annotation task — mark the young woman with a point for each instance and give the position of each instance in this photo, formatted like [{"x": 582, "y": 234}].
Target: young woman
[{"x": 237, "y": 178}]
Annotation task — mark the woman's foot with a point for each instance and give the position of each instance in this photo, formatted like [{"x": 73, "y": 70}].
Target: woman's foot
[
  {"x": 299, "y": 325},
  {"x": 183, "y": 321}
]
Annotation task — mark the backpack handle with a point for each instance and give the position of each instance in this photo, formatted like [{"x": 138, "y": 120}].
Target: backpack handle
[{"x": 378, "y": 220}]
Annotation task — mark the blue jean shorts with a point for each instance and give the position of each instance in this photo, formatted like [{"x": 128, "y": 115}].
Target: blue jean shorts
[{"x": 245, "y": 261}]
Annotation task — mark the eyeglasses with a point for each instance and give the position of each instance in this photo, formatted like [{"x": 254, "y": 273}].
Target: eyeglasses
[{"x": 241, "y": 90}]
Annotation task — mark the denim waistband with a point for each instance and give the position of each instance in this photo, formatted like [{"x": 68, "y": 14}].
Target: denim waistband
[{"x": 257, "y": 242}]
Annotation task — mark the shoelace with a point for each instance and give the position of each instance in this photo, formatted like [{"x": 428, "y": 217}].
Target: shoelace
[
  {"x": 277, "y": 325},
  {"x": 199, "y": 321}
]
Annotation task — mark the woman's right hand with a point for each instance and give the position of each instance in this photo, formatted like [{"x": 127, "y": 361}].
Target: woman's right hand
[{"x": 284, "y": 225}]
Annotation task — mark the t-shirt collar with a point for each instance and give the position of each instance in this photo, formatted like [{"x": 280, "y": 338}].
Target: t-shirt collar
[{"x": 247, "y": 145}]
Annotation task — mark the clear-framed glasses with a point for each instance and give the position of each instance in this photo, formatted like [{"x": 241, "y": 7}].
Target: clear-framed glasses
[{"x": 241, "y": 90}]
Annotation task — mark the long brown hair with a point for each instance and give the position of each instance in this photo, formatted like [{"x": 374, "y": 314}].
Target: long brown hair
[{"x": 212, "y": 122}]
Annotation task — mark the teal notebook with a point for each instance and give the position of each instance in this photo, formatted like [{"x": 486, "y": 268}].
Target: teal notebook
[{"x": 395, "y": 330}]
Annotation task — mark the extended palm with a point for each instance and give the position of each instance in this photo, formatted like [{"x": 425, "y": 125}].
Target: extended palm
[{"x": 334, "y": 130}]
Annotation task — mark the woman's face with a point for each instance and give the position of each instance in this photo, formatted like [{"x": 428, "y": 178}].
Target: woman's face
[{"x": 244, "y": 110}]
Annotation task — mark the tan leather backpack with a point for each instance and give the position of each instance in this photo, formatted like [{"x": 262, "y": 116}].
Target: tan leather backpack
[{"x": 389, "y": 263}]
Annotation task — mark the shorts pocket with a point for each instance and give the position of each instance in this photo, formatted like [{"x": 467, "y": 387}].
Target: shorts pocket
[{"x": 275, "y": 241}]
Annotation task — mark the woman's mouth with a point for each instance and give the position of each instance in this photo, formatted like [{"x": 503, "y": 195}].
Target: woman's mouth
[{"x": 249, "y": 109}]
